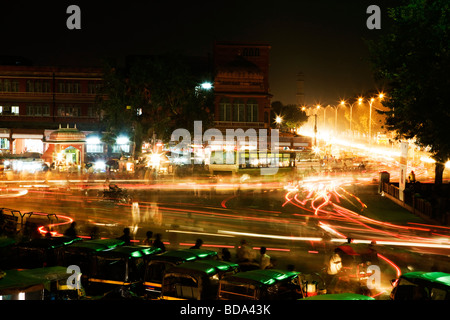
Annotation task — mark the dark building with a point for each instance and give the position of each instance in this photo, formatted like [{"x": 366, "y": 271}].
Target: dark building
[
  {"x": 241, "y": 85},
  {"x": 34, "y": 99}
]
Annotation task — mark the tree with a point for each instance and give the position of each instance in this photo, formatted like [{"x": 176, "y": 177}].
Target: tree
[
  {"x": 153, "y": 96},
  {"x": 413, "y": 60},
  {"x": 293, "y": 116}
]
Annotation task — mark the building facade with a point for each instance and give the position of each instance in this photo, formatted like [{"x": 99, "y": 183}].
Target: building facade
[
  {"x": 38, "y": 98},
  {"x": 241, "y": 85}
]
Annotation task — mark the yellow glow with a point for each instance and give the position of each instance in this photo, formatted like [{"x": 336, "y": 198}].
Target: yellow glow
[
  {"x": 360, "y": 100},
  {"x": 279, "y": 119},
  {"x": 318, "y": 106},
  {"x": 427, "y": 160},
  {"x": 342, "y": 102},
  {"x": 381, "y": 95}
]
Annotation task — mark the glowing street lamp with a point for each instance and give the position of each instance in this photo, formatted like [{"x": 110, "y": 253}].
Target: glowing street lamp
[{"x": 206, "y": 85}]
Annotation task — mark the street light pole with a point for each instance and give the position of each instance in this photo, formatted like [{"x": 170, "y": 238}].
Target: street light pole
[{"x": 370, "y": 121}]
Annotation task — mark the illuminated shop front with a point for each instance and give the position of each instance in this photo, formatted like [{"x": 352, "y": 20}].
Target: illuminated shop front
[
  {"x": 65, "y": 148},
  {"x": 21, "y": 141}
]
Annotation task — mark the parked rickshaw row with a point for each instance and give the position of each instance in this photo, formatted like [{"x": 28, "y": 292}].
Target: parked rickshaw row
[{"x": 38, "y": 269}]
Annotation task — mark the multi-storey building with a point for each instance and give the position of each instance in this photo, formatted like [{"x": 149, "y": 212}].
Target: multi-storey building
[
  {"x": 36, "y": 100},
  {"x": 241, "y": 85}
]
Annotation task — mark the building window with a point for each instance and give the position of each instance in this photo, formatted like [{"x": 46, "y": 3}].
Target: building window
[
  {"x": 30, "y": 86},
  {"x": 6, "y": 85},
  {"x": 46, "y": 86},
  {"x": 118, "y": 148},
  {"x": 9, "y": 110},
  {"x": 238, "y": 110},
  {"x": 252, "y": 110},
  {"x": 14, "y": 85},
  {"x": 68, "y": 111},
  {"x": 94, "y": 148},
  {"x": 38, "y": 110},
  {"x": 225, "y": 110},
  {"x": 38, "y": 86},
  {"x": 69, "y": 87},
  {"x": 94, "y": 87}
]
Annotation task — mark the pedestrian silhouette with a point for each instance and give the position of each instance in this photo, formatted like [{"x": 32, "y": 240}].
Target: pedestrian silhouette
[
  {"x": 158, "y": 243},
  {"x": 71, "y": 232},
  {"x": 226, "y": 255},
  {"x": 412, "y": 177},
  {"x": 148, "y": 240},
  {"x": 198, "y": 244},
  {"x": 245, "y": 253},
  {"x": 126, "y": 236},
  {"x": 95, "y": 233},
  {"x": 264, "y": 259}
]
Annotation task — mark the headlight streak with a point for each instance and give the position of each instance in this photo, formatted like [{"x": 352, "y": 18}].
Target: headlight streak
[{"x": 318, "y": 190}]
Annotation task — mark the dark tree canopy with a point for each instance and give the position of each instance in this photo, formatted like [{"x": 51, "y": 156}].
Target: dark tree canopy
[
  {"x": 293, "y": 116},
  {"x": 413, "y": 61},
  {"x": 154, "y": 96}
]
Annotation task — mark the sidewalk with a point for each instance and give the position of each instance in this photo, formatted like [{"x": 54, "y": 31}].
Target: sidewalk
[{"x": 382, "y": 208}]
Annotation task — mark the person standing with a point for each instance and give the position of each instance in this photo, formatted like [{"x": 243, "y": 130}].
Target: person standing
[
  {"x": 198, "y": 244},
  {"x": 126, "y": 236},
  {"x": 71, "y": 232},
  {"x": 264, "y": 259},
  {"x": 148, "y": 240},
  {"x": 158, "y": 243}
]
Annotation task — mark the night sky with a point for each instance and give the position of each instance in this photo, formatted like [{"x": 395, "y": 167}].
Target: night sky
[{"x": 322, "y": 39}]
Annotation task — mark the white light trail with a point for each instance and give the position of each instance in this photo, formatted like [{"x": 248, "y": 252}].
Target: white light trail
[{"x": 271, "y": 236}]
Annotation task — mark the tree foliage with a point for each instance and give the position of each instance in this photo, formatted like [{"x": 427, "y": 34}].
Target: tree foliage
[
  {"x": 413, "y": 59},
  {"x": 292, "y": 115},
  {"x": 153, "y": 96}
]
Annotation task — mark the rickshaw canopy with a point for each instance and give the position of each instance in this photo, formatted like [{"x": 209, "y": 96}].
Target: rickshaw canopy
[
  {"x": 16, "y": 281},
  {"x": 339, "y": 296}
]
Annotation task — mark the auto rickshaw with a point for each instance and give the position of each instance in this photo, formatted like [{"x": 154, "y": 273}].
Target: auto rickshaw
[
  {"x": 48, "y": 283},
  {"x": 347, "y": 268},
  {"x": 196, "y": 280},
  {"x": 43, "y": 252},
  {"x": 116, "y": 194},
  {"x": 6, "y": 252},
  {"x": 267, "y": 284},
  {"x": 83, "y": 253},
  {"x": 339, "y": 296},
  {"x": 158, "y": 264},
  {"x": 123, "y": 266},
  {"x": 420, "y": 285}
]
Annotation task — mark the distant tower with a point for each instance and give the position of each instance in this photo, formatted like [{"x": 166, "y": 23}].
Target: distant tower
[{"x": 300, "y": 90}]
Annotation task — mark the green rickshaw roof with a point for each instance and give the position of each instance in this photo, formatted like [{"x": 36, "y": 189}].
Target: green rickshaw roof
[
  {"x": 98, "y": 245},
  {"x": 4, "y": 242},
  {"x": 209, "y": 267},
  {"x": 339, "y": 296},
  {"x": 264, "y": 277},
  {"x": 131, "y": 251},
  {"x": 436, "y": 277},
  {"x": 185, "y": 255},
  {"x": 16, "y": 281},
  {"x": 50, "y": 243}
]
